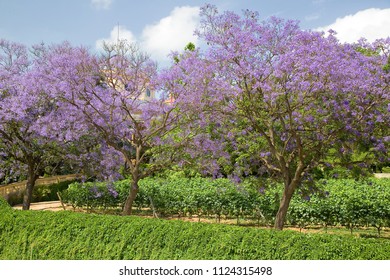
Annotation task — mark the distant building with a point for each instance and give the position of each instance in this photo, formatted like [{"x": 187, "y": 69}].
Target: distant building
[{"x": 118, "y": 79}]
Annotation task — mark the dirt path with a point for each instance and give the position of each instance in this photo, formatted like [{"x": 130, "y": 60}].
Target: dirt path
[{"x": 47, "y": 205}]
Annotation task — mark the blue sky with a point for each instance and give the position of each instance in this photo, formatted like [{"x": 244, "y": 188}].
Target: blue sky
[{"x": 160, "y": 26}]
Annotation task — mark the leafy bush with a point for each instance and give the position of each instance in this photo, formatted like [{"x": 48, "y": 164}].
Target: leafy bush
[
  {"x": 15, "y": 197},
  {"x": 198, "y": 196},
  {"x": 96, "y": 194},
  {"x": 4, "y": 204},
  {"x": 69, "y": 235},
  {"x": 49, "y": 192},
  {"x": 341, "y": 202}
]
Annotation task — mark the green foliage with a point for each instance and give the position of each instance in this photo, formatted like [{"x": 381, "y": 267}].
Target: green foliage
[
  {"x": 4, "y": 204},
  {"x": 180, "y": 196},
  {"x": 97, "y": 194},
  {"x": 190, "y": 47},
  {"x": 345, "y": 202},
  {"x": 198, "y": 196},
  {"x": 67, "y": 235},
  {"x": 49, "y": 192},
  {"x": 367, "y": 51}
]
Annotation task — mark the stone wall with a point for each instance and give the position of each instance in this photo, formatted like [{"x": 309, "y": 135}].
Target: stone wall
[{"x": 5, "y": 190}]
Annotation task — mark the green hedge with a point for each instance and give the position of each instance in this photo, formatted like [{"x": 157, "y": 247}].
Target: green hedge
[
  {"x": 342, "y": 201},
  {"x": 4, "y": 204},
  {"x": 96, "y": 194},
  {"x": 346, "y": 202},
  {"x": 180, "y": 196},
  {"x": 69, "y": 235}
]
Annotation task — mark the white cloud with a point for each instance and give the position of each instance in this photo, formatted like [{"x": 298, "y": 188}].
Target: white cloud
[
  {"x": 171, "y": 33},
  {"x": 101, "y": 4},
  {"x": 371, "y": 24},
  {"x": 118, "y": 32}
]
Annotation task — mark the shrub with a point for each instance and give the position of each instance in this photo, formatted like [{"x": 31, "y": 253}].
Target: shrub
[
  {"x": 341, "y": 201},
  {"x": 68, "y": 235},
  {"x": 49, "y": 192},
  {"x": 96, "y": 194},
  {"x": 4, "y": 204}
]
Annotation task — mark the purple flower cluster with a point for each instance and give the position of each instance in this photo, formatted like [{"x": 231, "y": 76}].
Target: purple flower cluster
[
  {"x": 95, "y": 192},
  {"x": 112, "y": 191}
]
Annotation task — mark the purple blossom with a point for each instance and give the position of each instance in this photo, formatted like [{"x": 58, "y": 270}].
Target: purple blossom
[
  {"x": 236, "y": 179},
  {"x": 262, "y": 190},
  {"x": 327, "y": 193},
  {"x": 265, "y": 154},
  {"x": 112, "y": 191}
]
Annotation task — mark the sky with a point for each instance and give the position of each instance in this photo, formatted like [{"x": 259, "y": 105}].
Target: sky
[{"x": 161, "y": 26}]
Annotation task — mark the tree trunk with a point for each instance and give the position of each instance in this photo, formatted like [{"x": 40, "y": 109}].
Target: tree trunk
[
  {"x": 31, "y": 179},
  {"x": 290, "y": 184},
  {"x": 128, "y": 207},
  {"x": 283, "y": 207}
]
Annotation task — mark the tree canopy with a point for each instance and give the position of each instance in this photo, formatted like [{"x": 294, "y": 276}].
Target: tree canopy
[{"x": 301, "y": 98}]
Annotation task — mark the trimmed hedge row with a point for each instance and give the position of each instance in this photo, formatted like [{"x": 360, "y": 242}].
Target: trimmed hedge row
[
  {"x": 342, "y": 201},
  {"x": 68, "y": 235},
  {"x": 179, "y": 196},
  {"x": 346, "y": 202}
]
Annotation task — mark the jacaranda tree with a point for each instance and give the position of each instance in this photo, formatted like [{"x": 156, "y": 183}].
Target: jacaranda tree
[
  {"x": 301, "y": 98},
  {"x": 111, "y": 97},
  {"x": 25, "y": 113}
]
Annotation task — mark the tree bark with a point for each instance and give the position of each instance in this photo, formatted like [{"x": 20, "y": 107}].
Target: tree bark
[
  {"x": 283, "y": 207},
  {"x": 128, "y": 207},
  {"x": 291, "y": 182},
  {"x": 31, "y": 179}
]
